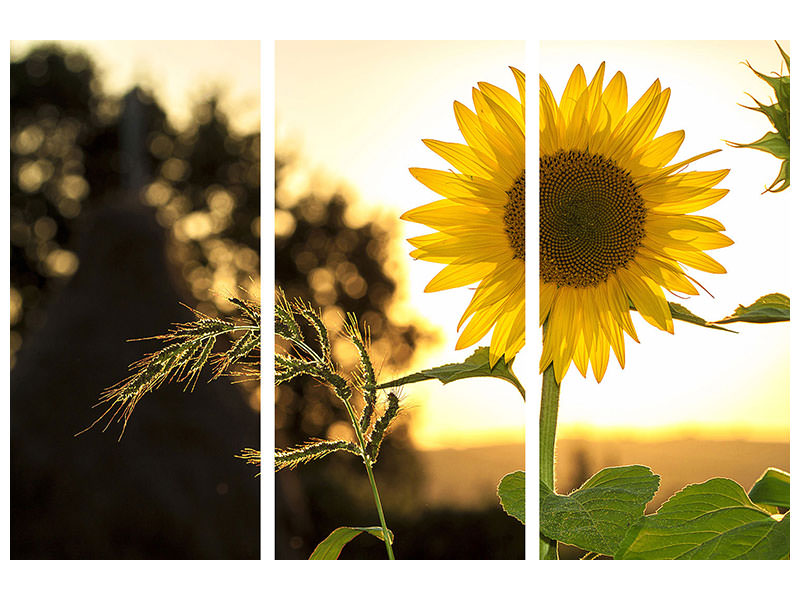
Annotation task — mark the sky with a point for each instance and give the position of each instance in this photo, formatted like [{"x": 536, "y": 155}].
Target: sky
[
  {"x": 356, "y": 113},
  {"x": 181, "y": 73},
  {"x": 698, "y": 380},
  {"x": 360, "y": 137}
]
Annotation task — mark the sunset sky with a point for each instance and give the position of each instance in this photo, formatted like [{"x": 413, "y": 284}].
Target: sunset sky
[
  {"x": 356, "y": 112},
  {"x": 181, "y": 73},
  {"x": 699, "y": 381}
]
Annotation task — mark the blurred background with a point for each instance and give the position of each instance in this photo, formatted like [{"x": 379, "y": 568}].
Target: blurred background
[
  {"x": 350, "y": 117},
  {"x": 700, "y": 403},
  {"x": 134, "y": 187}
]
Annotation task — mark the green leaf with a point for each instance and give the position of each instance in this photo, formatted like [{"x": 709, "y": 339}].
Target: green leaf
[
  {"x": 776, "y": 144},
  {"x": 681, "y": 313},
  {"x": 597, "y": 515},
  {"x": 776, "y": 115},
  {"x": 331, "y": 546},
  {"x": 780, "y": 84},
  {"x": 512, "y": 494},
  {"x": 711, "y": 520},
  {"x": 772, "y": 308},
  {"x": 784, "y": 55},
  {"x": 771, "y": 142},
  {"x": 476, "y": 365},
  {"x": 772, "y": 488},
  {"x": 783, "y": 175}
]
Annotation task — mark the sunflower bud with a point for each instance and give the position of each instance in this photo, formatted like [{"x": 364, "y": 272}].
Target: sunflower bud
[{"x": 774, "y": 142}]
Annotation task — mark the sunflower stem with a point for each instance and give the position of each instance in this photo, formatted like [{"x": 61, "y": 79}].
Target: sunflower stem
[{"x": 548, "y": 420}]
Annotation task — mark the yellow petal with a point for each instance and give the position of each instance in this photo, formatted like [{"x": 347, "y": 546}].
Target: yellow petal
[
  {"x": 646, "y": 297},
  {"x": 599, "y": 357},
  {"x": 470, "y": 127},
  {"x": 455, "y": 275},
  {"x": 573, "y": 90},
  {"x": 506, "y": 101},
  {"x": 615, "y": 98},
  {"x": 659, "y": 152},
  {"x": 519, "y": 76},
  {"x": 458, "y": 185},
  {"x": 462, "y": 157}
]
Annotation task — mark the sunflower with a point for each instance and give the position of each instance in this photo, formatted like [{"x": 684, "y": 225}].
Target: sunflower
[
  {"x": 613, "y": 223},
  {"x": 480, "y": 222}
]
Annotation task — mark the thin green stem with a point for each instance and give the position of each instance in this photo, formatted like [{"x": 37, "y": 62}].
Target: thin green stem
[
  {"x": 368, "y": 465},
  {"x": 386, "y": 539},
  {"x": 548, "y": 420}
]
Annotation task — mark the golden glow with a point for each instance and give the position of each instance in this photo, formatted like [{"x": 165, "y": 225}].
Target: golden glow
[
  {"x": 181, "y": 75},
  {"x": 61, "y": 263},
  {"x": 699, "y": 380},
  {"x": 707, "y": 431},
  {"x": 180, "y": 72},
  {"x": 15, "y": 305},
  {"x": 363, "y": 138}
]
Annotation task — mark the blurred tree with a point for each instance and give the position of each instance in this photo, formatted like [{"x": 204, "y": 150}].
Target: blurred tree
[
  {"x": 55, "y": 118},
  {"x": 65, "y": 159},
  {"x": 208, "y": 191},
  {"x": 322, "y": 258},
  {"x": 88, "y": 271},
  {"x": 340, "y": 269}
]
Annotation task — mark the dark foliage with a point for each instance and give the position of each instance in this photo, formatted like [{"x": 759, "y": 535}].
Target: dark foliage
[
  {"x": 321, "y": 259},
  {"x": 67, "y": 160},
  {"x": 340, "y": 269},
  {"x": 89, "y": 270}
]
